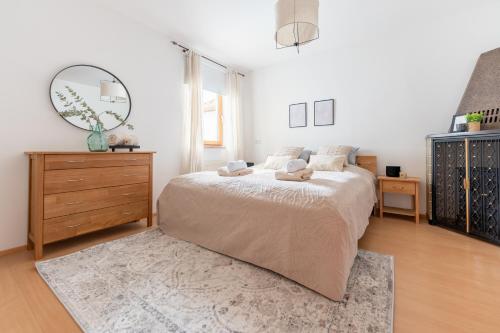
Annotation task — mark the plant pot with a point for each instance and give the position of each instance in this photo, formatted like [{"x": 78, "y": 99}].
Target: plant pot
[
  {"x": 97, "y": 140},
  {"x": 474, "y": 126}
]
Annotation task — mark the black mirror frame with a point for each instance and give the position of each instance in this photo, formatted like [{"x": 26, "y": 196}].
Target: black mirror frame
[{"x": 102, "y": 69}]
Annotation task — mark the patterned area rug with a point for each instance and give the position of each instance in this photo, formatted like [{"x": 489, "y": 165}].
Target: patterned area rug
[{"x": 151, "y": 282}]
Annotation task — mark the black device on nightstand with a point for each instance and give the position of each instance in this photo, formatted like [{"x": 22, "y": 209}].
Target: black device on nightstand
[{"x": 392, "y": 171}]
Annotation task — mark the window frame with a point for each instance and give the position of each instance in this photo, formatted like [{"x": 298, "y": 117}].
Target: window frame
[{"x": 220, "y": 133}]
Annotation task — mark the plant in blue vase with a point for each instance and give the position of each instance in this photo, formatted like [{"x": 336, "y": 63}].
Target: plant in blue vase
[{"x": 75, "y": 106}]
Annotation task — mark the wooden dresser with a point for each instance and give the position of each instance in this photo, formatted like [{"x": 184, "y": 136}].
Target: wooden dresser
[{"x": 73, "y": 193}]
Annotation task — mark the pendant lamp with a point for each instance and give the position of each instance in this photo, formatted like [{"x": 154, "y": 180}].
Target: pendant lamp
[{"x": 296, "y": 22}]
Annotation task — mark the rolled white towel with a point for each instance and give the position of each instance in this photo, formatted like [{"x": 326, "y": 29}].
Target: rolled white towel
[
  {"x": 295, "y": 165},
  {"x": 224, "y": 172},
  {"x": 297, "y": 176},
  {"x": 233, "y": 166}
]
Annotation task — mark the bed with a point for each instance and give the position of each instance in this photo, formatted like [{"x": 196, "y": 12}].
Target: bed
[{"x": 305, "y": 231}]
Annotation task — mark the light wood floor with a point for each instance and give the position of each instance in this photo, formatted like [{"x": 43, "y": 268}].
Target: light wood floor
[{"x": 445, "y": 282}]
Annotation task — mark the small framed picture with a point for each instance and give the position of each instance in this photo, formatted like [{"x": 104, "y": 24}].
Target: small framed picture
[
  {"x": 458, "y": 124},
  {"x": 324, "y": 112},
  {"x": 297, "y": 115}
]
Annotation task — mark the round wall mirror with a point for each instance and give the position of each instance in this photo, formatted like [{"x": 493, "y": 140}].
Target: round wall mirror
[{"x": 90, "y": 97}]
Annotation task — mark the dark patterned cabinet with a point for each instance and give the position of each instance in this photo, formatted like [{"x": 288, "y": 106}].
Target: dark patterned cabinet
[
  {"x": 449, "y": 190},
  {"x": 463, "y": 183},
  {"x": 484, "y": 190}
]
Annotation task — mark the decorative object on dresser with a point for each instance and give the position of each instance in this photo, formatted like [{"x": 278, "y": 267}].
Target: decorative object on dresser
[
  {"x": 297, "y": 115},
  {"x": 324, "y": 112},
  {"x": 123, "y": 141},
  {"x": 97, "y": 141},
  {"x": 129, "y": 147},
  {"x": 73, "y": 193},
  {"x": 463, "y": 183},
  {"x": 409, "y": 186}
]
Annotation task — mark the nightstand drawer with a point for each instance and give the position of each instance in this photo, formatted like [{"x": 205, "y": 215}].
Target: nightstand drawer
[{"x": 398, "y": 187}]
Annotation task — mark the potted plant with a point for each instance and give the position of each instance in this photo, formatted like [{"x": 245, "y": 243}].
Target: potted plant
[{"x": 474, "y": 121}]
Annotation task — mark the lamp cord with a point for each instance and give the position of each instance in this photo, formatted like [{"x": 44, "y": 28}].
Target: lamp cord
[{"x": 296, "y": 35}]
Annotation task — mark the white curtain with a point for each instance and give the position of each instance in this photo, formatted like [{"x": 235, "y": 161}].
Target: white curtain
[
  {"x": 233, "y": 134},
  {"x": 193, "y": 116}
]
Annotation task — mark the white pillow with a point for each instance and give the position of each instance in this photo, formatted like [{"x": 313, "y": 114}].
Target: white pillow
[
  {"x": 290, "y": 151},
  {"x": 327, "y": 162},
  {"x": 277, "y": 162},
  {"x": 336, "y": 150}
]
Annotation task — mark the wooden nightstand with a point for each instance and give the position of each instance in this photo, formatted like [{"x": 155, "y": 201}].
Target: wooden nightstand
[{"x": 398, "y": 185}]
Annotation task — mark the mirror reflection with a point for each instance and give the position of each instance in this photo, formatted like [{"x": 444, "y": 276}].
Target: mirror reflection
[{"x": 89, "y": 97}]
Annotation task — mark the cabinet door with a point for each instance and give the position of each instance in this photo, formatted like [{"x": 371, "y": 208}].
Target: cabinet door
[
  {"x": 448, "y": 184},
  {"x": 484, "y": 190}
]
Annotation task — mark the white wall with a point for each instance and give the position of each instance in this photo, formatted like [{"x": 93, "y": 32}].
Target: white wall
[
  {"x": 41, "y": 37},
  {"x": 390, "y": 92}
]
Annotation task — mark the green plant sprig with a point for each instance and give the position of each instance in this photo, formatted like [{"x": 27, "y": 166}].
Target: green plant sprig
[
  {"x": 474, "y": 117},
  {"x": 119, "y": 118},
  {"x": 79, "y": 108}
]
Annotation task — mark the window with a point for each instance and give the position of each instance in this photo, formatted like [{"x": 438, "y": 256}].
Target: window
[{"x": 212, "y": 119}]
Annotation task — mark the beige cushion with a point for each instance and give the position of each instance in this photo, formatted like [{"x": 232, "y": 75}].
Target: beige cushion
[
  {"x": 290, "y": 151},
  {"x": 335, "y": 150},
  {"x": 277, "y": 162},
  {"x": 327, "y": 162}
]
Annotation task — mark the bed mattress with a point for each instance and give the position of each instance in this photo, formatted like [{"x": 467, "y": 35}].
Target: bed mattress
[{"x": 306, "y": 231}]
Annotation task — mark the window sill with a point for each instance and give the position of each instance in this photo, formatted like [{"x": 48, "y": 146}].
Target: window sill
[{"x": 215, "y": 146}]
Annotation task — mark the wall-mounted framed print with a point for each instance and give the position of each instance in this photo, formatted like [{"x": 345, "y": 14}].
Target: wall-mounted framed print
[
  {"x": 324, "y": 112},
  {"x": 297, "y": 115},
  {"x": 458, "y": 124}
]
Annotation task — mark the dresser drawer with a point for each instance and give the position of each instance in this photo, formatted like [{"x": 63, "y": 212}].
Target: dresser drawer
[
  {"x": 59, "y": 181},
  {"x": 95, "y": 160},
  {"x": 399, "y": 187},
  {"x": 76, "y": 202},
  {"x": 78, "y": 224}
]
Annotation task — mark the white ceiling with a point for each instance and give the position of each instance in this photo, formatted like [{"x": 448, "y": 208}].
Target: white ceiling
[{"x": 240, "y": 32}]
